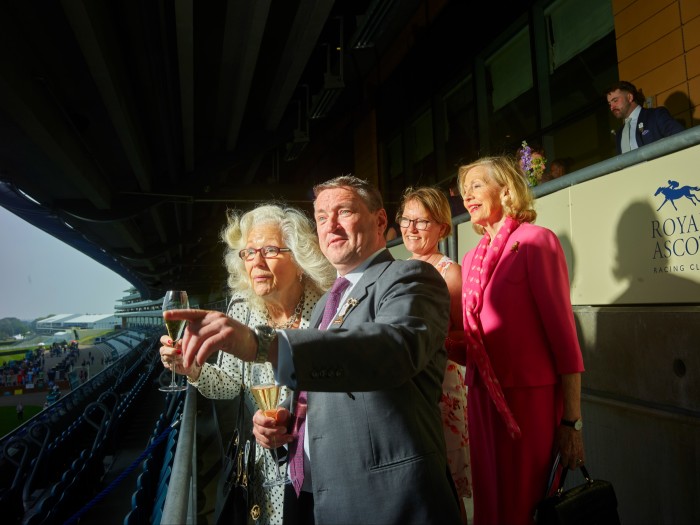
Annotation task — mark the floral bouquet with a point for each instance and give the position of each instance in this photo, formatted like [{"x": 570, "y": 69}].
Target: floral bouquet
[{"x": 532, "y": 166}]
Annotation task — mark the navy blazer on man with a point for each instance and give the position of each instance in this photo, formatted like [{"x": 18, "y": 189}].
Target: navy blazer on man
[
  {"x": 374, "y": 380},
  {"x": 653, "y": 124}
]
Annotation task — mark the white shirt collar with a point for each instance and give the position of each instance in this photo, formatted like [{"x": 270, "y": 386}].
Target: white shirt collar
[
  {"x": 635, "y": 114},
  {"x": 354, "y": 275}
]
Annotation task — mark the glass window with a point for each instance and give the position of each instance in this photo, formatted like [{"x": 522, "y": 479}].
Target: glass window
[
  {"x": 575, "y": 25},
  {"x": 461, "y": 144},
  {"x": 421, "y": 146},
  {"x": 511, "y": 95},
  {"x": 583, "y": 141},
  {"x": 580, "y": 68},
  {"x": 421, "y": 136},
  {"x": 510, "y": 70},
  {"x": 394, "y": 158}
]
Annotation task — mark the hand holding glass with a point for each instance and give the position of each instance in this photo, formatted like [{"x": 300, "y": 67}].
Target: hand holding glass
[
  {"x": 267, "y": 396},
  {"x": 174, "y": 300}
]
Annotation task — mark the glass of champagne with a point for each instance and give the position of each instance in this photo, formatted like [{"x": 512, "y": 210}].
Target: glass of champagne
[
  {"x": 267, "y": 396},
  {"x": 174, "y": 300}
]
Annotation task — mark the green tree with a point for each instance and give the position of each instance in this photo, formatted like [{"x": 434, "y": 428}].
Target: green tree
[{"x": 10, "y": 326}]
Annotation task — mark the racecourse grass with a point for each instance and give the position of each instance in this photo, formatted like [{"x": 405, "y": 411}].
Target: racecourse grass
[{"x": 8, "y": 417}]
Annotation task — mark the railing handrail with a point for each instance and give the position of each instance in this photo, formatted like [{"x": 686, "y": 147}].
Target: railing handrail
[{"x": 180, "y": 502}]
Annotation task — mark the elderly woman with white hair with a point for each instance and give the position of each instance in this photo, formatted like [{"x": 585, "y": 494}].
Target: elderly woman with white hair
[{"x": 277, "y": 274}]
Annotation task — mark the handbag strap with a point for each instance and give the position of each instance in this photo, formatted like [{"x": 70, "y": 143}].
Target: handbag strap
[
  {"x": 552, "y": 475},
  {"x": 241, "y": 392},
  {"x": 562, "y": 478}
]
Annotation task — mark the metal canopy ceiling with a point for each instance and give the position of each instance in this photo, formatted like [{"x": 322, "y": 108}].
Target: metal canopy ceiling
[{"x": 127, "y": 128}]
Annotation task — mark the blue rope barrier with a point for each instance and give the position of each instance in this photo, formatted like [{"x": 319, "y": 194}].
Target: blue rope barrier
[{"x": 75, "y": 517}]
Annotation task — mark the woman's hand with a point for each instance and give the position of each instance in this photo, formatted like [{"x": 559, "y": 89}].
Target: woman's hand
[
  {"x": 171, "y": 355},
  {"x": 209, "y": 331},
  {"x": 272, "y": 431},
  {"x": 569, "y": 440},
  {"x": 570, "y": 443}
]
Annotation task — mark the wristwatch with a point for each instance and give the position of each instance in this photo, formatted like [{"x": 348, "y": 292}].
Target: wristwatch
[
  {"x": 576, "y": 425},
  {"x": 265, "y": 336}
]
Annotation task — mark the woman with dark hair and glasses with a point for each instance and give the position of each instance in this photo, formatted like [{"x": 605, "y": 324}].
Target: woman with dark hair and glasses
[
  {"x": 425, "y": 219},
  {"x": 277, "y": 274}
]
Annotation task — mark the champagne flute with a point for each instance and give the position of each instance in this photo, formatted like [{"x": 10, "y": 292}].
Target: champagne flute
[
  {"x": 174, "y": 300},
  {"x": 267, "y": 396}
]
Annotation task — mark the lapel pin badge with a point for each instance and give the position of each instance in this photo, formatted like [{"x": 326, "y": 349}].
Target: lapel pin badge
[{"x": 349, "y": 305}]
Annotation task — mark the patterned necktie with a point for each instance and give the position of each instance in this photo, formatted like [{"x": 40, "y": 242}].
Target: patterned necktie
[{"x": 296, "y": 447}]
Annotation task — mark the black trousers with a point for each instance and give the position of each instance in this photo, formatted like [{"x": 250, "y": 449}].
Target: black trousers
[{"x": 298, "y": 510}]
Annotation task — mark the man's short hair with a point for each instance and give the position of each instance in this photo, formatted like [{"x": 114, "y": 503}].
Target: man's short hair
[
  {"x": 367, "y": 191},
  {"x": 623, "y": 85}
]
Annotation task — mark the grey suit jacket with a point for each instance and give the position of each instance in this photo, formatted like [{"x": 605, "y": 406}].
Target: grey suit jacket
[{"x": 374, "y": 381}]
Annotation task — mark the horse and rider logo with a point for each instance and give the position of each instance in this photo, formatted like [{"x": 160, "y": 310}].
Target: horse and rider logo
[{"x": 672, "y": 193}]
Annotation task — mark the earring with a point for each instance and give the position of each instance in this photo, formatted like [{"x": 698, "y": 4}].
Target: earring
[{"x": 301, "y": 277}]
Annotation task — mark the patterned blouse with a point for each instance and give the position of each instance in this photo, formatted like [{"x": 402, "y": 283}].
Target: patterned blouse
[{"x": 223, "y": 381}]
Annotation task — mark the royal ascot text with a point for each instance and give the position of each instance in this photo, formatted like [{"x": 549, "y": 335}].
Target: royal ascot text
[{"x": 686, "y": 241}]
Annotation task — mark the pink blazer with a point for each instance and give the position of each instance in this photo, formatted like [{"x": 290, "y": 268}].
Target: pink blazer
[{"x": 528, "y": 323}]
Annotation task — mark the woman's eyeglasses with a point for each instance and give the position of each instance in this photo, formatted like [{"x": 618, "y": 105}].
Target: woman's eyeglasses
[
  {"x": 421, "y": 224},
  {"x": 268, "y": 252}
]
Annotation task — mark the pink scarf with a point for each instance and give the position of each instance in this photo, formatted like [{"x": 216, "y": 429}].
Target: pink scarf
[{"x": 477, "y": 279}]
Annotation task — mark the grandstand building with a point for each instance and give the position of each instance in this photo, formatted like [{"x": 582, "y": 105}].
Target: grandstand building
[
  {"x": 134, "y": 312},
  {"x": 62, "y": 322}
]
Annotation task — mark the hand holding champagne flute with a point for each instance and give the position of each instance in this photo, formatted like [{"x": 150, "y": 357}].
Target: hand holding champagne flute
[
  {"x": 267, "y": 396},
  {"x": 173, "y": 300}
]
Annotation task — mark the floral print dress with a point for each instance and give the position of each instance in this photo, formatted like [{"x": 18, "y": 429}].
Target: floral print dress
[{"x": 453, "y": 405}]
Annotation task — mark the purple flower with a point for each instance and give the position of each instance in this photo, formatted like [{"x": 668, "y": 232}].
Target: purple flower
[{"x": 533, "y": 167}]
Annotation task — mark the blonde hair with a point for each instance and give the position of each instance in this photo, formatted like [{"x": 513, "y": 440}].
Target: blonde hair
[
  {"x": 298, "y": 234},
  {"x": 433, "y": 200},
  {"x": 505, "y": 172}
]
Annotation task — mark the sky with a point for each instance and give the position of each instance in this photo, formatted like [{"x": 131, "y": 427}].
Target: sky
[{"x": 40, "y": 275}]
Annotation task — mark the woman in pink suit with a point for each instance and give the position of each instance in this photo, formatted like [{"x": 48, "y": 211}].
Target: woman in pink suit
[{"x": 524, "y": 363}]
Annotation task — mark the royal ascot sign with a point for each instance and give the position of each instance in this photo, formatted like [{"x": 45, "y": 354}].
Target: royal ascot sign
[
  {"x": 676, "y": 233},
  {"x": 636, "y": 234}
]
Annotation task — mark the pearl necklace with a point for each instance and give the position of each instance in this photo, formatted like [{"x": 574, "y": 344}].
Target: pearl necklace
[{"x": 291, "y": 321}]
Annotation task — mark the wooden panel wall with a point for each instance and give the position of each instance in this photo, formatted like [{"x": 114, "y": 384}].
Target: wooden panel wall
[{"x": 658, "y": 49}]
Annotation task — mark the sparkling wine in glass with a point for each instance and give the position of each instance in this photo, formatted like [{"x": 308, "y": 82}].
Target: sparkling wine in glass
[
  {"x": 174, "y": 300},
  {"x": 267, "y": 396}
]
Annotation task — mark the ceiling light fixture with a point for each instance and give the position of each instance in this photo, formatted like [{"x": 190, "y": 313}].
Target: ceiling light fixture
[
  {"x": 323, "y": 101},
  {"x": 373, "y": 25}
]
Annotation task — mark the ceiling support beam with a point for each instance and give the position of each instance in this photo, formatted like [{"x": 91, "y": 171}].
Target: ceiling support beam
[{"x": 94, "y": 33}]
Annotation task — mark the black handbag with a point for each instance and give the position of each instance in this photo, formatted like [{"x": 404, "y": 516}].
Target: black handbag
[
  {"x": 235, "y": 498},
  {"x": 592, "y": 503}
]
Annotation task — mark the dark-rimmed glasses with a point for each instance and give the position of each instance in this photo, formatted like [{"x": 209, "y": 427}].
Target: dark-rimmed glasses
[
  {"x": 268, "y": 252},
  {"x": 421, "y": 224}
]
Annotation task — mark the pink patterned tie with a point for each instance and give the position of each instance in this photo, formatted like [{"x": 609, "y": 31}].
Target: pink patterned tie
[{"x": 296, "y": 447}]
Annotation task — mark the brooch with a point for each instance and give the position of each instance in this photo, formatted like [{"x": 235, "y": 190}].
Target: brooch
[
  {"x": 514, "y": 248},
  {"x": 349, "y": 305}
]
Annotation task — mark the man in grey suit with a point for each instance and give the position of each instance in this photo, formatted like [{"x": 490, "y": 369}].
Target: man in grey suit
[{"x": 374, "y": 447}]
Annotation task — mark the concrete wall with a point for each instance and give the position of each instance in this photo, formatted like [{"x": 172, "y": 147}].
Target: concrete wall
[{"x": 641, "y": 406}]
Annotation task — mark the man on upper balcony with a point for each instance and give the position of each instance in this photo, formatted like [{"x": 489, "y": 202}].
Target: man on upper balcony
[{"x": 641, "y": 125}]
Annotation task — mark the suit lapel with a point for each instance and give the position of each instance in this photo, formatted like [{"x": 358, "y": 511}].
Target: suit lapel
[{"x": 641, "y": 121}]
